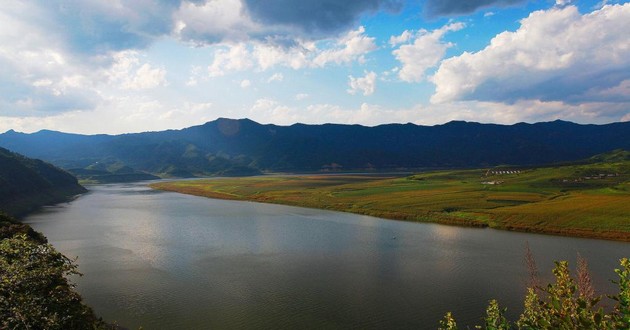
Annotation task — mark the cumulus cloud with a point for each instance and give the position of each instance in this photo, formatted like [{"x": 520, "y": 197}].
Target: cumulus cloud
[
  {"x": 210, "y": 22},
  {"x": 39, "y": 76},
  {"x": 245, "y": 83},
  {"x": 435, "y": 8},
  {"x": 296, "y": 57},
  {"x": 401, "y": 39},
  {"x": 279, "y": 22},
  {"x": 100, "y": 26},
  {"x": 347, "y": 48},
  {"x": 128, "y": 73},
  {"x": 352, "y": 46},
  {"x": 562, "y": 2},
  {"x": 425, "y": 52},
  {"x": 555, "y": 55},
  {"x": 231, "y": 58},
  {"x": 316, "y": 17},
  {"x": 365, "y": 84},
  {"x": 97, "y": 27}
]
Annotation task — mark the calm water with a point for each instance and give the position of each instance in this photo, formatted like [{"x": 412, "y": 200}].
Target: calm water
[{"x": 169, "y": 261}]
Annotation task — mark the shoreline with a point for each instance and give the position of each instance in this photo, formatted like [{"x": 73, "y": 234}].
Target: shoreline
[{"x": 467, "y": 218}]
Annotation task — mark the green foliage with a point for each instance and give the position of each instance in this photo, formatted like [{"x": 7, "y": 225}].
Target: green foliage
[
  {"x": 563, "y": 308},
  {"x": 562, "y": 305},
  {"x": 34, "y": 290},
  {"x": 621, "y": 316},
  {"x": 448, "y": 323},
  {"x": 495, "y": 319}
]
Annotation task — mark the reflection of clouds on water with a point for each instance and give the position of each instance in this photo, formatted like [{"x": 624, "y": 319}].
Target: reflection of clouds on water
[
  {"x": 166, "y": 260},
  {"x": 446, "y": 233}
]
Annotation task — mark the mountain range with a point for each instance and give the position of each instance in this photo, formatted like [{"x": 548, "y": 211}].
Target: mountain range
[{"x": 244, "y": 147}]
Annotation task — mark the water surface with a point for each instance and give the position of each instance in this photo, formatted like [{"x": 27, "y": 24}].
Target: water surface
[{"x": 163, "y": 260}]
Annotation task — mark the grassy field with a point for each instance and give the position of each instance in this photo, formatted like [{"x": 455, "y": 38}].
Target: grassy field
[{"x": 589, "y": 200}]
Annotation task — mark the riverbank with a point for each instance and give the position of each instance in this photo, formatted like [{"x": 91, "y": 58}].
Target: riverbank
[
  {"x": 35, "y": 291},
  {"x": 553, "y": 200}
]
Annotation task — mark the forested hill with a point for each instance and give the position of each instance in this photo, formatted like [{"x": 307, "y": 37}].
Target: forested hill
[
  {"x": 227, "y": 146},
  {"x": 26, "y": 184}
]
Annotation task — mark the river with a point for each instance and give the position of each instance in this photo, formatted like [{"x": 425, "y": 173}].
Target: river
[{"x": 164, "y": 260}]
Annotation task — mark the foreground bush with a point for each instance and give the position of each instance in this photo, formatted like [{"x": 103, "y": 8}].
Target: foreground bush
[
  {"x": 566, "y": 304},
  {"x": 34, "y": 290}
]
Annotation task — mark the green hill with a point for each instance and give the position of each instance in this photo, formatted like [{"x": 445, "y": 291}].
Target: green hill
[{"x": 26, "y": 183}]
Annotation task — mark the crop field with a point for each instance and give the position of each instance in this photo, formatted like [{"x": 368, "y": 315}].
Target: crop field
[{"x": 589, "y": 200}]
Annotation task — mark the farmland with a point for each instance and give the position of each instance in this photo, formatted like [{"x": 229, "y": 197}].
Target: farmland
[{"x": 588, "y": 200}]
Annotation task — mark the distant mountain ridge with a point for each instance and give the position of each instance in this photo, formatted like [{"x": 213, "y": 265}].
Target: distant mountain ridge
[
  {"x": 26, "y": 184},
  {"x": 241, "y": 147}
]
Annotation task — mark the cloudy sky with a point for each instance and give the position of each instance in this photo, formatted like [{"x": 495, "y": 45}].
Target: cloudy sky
[{"x": 115, "y": 66}]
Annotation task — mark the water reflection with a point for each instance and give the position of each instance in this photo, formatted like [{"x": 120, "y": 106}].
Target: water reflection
[{"x": 170, "y": 261}]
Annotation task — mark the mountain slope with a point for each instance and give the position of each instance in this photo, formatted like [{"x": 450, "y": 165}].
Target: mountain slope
[
  {"x": 242, "y": 146},
  {"x": 29, "y": 183}
]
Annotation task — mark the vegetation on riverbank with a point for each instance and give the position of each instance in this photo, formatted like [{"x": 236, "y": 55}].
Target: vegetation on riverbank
[
  {"x": 35, "y": 292},
  {"x": 587, "y": 199},
  {"x": 569, "y": 303}
]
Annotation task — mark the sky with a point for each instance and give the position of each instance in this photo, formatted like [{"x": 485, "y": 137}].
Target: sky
[{"x": 119, "y": 66}]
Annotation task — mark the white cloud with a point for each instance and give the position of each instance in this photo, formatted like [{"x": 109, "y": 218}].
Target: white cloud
[
  {"x": 233, "y": 58},
  {"x": 620, "y": 92},
  {"x": 345, "y": 49},
  {"x": 351, "y": 47},
  {"x": 275, "y": 77},
  {"x": 118, "y": 115},
  {"x": 296, "y": 57},
  {"x": 268, "y": 110},
  {"x": 213, "y": 22},
  {"x": 301, "y": 96},
  {"x": 121, "y": 115},
  {"x": 562, "y": 3},
  {"x": 365, "y": 84},
  {"x": 128, "y": 73},
  {"x": 557, "y": 54},
  {"x": 245, "y": 83},
  {"x": 424, "y": 53},
  {"x": 195, "y": 76},
  {"x": 400, "y": 39}
]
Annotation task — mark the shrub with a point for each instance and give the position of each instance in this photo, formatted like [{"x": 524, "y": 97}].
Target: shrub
[
  {"x": 34, "y": 290},
  {"x": 566, "y": 304}
]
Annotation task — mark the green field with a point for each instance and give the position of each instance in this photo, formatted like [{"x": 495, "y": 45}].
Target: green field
[{"x": 588, "y": 200}]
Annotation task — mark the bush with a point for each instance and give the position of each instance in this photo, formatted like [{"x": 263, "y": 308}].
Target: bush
[
  {"x": 566, "y": 304},
  {"x": 34, "y": 290}
]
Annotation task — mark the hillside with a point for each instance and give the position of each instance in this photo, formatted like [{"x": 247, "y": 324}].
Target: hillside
[
  {"x": 26, "y": 184},
  {"x": 36, "y": 291},
  {"x": 242, "y": 147}
]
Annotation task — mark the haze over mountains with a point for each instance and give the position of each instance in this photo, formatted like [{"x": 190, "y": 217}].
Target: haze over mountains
[{"x": 242, "y": 147}]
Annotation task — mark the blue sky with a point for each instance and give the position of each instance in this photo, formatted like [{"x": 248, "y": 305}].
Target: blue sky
[{"x": 116, "y": 66}]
